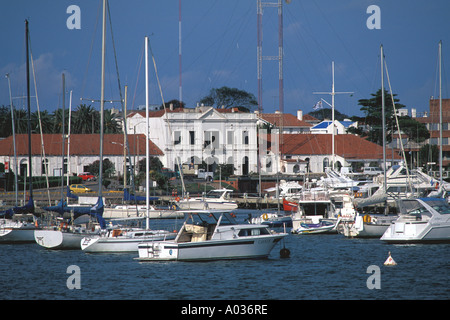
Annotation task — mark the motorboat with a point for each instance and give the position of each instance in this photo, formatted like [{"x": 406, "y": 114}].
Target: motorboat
[
  {"x": 123, "y": 240},
  {"x": 273, "y": 219},
  {"x": 366, "y": 225},
  {"x": 212, "y": 235},
  {"x": 421, "y": 220},
  {"x": 286, "y": 189},
  {"x": 218, "y": 199},
  {"x": 324, "y": 226}
]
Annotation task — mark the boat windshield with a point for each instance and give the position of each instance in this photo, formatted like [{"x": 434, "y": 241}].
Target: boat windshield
[
  {"x": 208, "y": 218},
  {"x": 440, "y": 206},
  {"x": 214, "y": 194}
]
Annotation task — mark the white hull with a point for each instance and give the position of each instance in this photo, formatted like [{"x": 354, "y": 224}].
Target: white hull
[
  {"x": 194, "y": 204},
  {"x": 122, "y": 212},
  {"x": 251, "y": 248},
  {"x": 364, "y": 229},
  {"x": 16, "y": 231},
  {"x": 109, "y": 244},
  {"x": 16, "y": 235},
  {"x": 416, "y": 232},
  {"x": 56, "y": 239}
]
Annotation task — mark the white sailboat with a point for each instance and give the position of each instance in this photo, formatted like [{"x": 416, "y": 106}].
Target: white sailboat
[
  {"x": 127, "y": 240},
  {"x": 17, "y": 224},
  {"x": 68, "y": 236}
]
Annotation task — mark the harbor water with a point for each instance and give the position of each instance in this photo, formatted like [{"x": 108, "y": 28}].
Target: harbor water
[{"x": 320, "y": 267}]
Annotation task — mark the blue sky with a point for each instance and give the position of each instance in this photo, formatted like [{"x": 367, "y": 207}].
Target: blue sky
[{"x": 219, "y": 49}]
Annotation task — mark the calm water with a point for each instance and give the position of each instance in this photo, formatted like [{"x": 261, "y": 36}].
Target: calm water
[{"x": 329, "y": 267}]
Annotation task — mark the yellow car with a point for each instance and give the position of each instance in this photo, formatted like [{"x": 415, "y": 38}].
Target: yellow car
[{"x": 79, "y": 188}]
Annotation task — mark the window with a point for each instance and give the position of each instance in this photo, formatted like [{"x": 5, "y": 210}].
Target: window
[
  {"x": 176, "y": 137},
  {"x": 253, "y": 232},
  {"x": 245, "y": 137},
  {"x": 211, "y": 139},
  {"x": 230, "y": 136},
  {"x": 192, "y": 137}
]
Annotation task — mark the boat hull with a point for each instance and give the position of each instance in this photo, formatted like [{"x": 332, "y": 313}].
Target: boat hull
[
  {"x": 131, "y": 212},
  {"x": 205, "y": 205},
  {"x": 58, "y": 240},
  {"x": 416, "y": 232},
  {"x": 251, "y": 248},
  {"x": 16, "y": 235},
  {"x": 119, "y": 244}
]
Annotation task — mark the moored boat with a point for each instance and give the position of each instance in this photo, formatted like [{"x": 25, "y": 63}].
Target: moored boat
[
  {"x": 213, "y": 235},
  {"x": 217, "y": 199},
  {"x": 422, "y": 220}
]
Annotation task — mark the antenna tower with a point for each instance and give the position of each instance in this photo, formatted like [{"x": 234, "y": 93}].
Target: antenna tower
[{"x": 260, "y": 57}]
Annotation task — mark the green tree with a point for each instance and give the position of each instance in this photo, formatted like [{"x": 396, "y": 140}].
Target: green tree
[
  {"x": 111, "y": 122},
  {"x": 373, "y": 111},
  {"x": 85, "y": 120},
  {"x": 230, "y": 98}
]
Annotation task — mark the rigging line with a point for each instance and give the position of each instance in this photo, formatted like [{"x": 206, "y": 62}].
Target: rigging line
[
  {"x": 398, "y": 126},
  {"x": 90, "y": 49},
  {"x": 39, "y": 120},
  {"x": 167, "y": 118},
  {"x": 137, "y": 78}
]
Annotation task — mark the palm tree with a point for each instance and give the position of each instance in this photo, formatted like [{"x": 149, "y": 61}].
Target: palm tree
[
  {"x": 85, "y": 120},
  {"x": 112, "y": 122}
]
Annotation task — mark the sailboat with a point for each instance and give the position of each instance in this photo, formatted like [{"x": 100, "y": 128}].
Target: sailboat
[
  {"x": 127, "y": 240},
  {"x": 372, "y": 225},
  {"x": 74, "y": 222},
  {"x": 69, "y": 236},
  {"x": 424, "y": 220},
  {"x": 15, "y": 226}
]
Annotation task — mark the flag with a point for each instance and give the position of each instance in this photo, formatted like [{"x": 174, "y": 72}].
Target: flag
[{"x": 318, "y": 105}]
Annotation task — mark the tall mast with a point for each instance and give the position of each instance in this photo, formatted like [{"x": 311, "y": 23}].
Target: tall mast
[
  {"x": 14, "y": 143},
  {"x": 440, "y": 112},
  {"x": 383, "y": 120},
  {"x": 30, "y": 167},
  {"x": 180, "y": 93},
  {"x": 147, "y": 147},
  {"x": 102, "y": 101},
  {"x": 62, "y": 133}
]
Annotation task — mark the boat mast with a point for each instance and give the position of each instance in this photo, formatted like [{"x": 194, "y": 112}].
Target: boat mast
[
  {"x": 62, "y": 135},
  {"x": 102, "y": 101},
  {"x": 383, "y": 120},
  {"x": 440, "y": 113},
  {"x": 14, "y": 143},
  {"x": 30, "y": 167},
  {"x": 147, "y": 147}
]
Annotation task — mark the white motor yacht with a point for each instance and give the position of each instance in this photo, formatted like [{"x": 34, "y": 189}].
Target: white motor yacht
[
  {"x": 213, "y": 235},
  {"x": 218, "y": 199},
  {"x": 422, "y": 220}
]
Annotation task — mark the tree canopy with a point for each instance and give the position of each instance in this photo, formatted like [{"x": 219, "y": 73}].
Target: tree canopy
[{"x": 230, "y": 98}]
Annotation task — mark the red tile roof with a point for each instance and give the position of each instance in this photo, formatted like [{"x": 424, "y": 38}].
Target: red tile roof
[
  {"x": 348, "y": 146},
  {"x": 284, "y": 119},
  {"x": 80, "y": 144}
]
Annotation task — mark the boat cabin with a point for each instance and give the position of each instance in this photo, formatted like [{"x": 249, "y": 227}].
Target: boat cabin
[{"x": 203, "y": 226}]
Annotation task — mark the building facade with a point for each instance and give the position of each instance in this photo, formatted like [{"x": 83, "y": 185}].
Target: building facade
[{"x": 201, "y": 135}]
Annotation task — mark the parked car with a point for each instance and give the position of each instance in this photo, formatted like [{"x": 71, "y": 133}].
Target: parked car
[
  {"x": 79, "y": 188},
  {"x": 87, "y": 176}
]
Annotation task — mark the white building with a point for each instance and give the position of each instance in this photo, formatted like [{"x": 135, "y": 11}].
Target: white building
[
  {"x": 215, "y": 136},
  {"x": 325, "y": 127}
]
